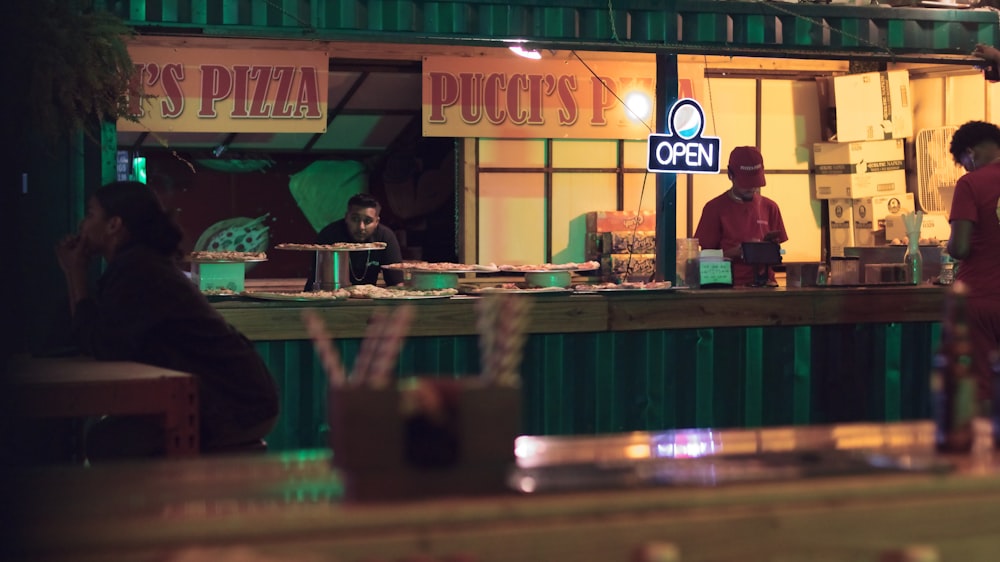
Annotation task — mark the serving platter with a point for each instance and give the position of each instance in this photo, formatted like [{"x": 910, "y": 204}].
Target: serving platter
[
  {"x": 550, "y": 267},
  {"x": 624, "y": 288},
  {"x": 304, "y": 296},
  {"x": 225, "y": 257},
  {"x": 405, "y": 297},
  {"x": 441, "y": 267},
  {"x": 516, "y": 290},
  {"x": 338, "y": 247}
]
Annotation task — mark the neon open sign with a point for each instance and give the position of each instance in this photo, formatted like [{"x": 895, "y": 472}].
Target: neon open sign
[{"x": 683, "y": 149}]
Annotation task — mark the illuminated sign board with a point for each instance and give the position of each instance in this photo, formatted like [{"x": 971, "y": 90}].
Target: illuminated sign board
[
  {"x": 222, "y": 90},
  {"x": 683, "y": 149}
]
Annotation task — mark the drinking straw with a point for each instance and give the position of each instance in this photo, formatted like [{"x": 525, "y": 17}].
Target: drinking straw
[
  {"x": 486, "y": 317},
  {"x": 511, "y": 335},
  {"x": 369, "y": 345},
  {"x": 502, "y": 322},
  {"x": 389, "y": 343},
  {"x": 328, "y": 355}
]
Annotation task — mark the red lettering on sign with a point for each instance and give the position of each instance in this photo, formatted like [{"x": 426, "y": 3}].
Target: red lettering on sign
[
  {"x": 516, "y": 84},
  {"x": 216, "y": 85},
  {"x": 284, "y": 75},
  {"x": 470, "y": 90},
  {"x": 173, "y": 104},
  {"x": 570, "y": 111},
  {"x": 262, "y": 76},
  {"x": 602, "y": 100},
  {"x": 685, "y": 88},
  {"x": 495, "y": 83},
  {"x": 308, "y": 97},
  {"x": 444, "y": 93}
]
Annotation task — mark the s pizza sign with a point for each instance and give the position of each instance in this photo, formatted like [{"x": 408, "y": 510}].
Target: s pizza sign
[{"x": 228, "y": 90}]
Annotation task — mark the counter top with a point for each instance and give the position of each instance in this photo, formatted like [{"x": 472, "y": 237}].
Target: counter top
[
  {"x": 678, "y": 309},
  {"x": 287, "y": 507}
]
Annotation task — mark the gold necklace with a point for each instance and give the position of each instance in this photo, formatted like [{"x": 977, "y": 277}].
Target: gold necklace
[{"x": 350, "y": 265}]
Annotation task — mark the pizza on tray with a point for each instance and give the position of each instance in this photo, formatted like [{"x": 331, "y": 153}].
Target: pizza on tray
[
  {"x": 339, "y": 294},
  {"x": 376, "y": 292},
  {"x": 569, "y": 266},
  {"x": 511, "y": 288},
  {"x": 226, "y": 256},
  {"x": 336, "y": 246},
  {"x": 626, "y": 286},
  {"x": 441, "y": 267}
]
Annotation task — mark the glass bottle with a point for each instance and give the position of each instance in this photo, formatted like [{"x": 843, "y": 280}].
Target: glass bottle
[
  {"x": 914, "y": 263},
  {"x": 953, "y": 384},
  {"x": 947, "y": 274}
]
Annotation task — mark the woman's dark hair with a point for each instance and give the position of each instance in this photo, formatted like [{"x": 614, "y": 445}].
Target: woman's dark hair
[
  {"x": 143, "y": 214},
  {"x": 971, "y": 134}
]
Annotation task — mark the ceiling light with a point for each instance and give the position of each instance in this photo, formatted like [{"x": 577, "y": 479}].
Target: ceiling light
[{"x": 520, "y": 51}]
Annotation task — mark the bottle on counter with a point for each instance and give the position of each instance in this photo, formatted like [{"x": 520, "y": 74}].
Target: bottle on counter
[
  {"x": 914, "y": 262},
  {"x": 953, "y": 383},
  {"x": 947, "y": 273}
]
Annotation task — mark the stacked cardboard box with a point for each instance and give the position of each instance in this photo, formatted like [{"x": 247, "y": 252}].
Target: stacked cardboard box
[
  {"x": 624, "y": 242},
  {"x": 861, "y": 171}
]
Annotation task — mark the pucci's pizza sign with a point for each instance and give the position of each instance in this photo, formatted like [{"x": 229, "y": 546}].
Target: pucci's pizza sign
[
  {"x": 233, "y": 91},
  {"x": 557, "y": 97}
]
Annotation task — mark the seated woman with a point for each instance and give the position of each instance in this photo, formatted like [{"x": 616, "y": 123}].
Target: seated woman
[{"x": 145, "y": 309}]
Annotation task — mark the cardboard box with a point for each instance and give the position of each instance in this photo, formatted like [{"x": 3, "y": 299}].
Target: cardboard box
[
  {"x": 840, "y": 225},
  {"x": 865, "y": 107},
  {"x": 621, "y": 242},
  {"x": 634, "y": 267},
  {"x": 611, "y": 221},
  {"x": 934, "y": 227},
  {"x": 855, "y": 170},
  {"x": 870, "y": 213}
]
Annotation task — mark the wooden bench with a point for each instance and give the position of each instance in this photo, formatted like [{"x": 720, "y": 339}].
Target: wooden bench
[{"x": 79, "y": 387}]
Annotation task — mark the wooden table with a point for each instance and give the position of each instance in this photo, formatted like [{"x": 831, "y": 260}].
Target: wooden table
[
  {"x": 287, "y": 506},
  {"x": 79, "y": 387}
]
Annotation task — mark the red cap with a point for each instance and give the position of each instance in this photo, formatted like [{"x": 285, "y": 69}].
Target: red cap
[{"x": 746, "y": 167}]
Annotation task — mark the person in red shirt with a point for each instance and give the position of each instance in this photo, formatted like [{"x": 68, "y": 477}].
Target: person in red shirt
[
  {"x": 741, "y": 214},
  {"x": 975, "y": 239}
]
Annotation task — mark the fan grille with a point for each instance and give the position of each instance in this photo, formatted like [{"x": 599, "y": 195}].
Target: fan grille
[{"x": 936, "y": 169}]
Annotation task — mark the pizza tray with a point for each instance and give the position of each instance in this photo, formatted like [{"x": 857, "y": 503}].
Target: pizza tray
[
  {"x": 426, "y": 270},
  {"x": 207, "y": 260},
  {"x": 411, "y": 298},
  {"x": 481, "y": 291},
  {"x": 333, "y": 248},
  {"x": 294, "y": 297}
]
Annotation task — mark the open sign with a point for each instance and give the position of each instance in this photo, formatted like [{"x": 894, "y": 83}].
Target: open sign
[{"x": 683, "y": 149}]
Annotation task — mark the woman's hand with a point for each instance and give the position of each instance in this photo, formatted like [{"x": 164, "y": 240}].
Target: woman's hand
[
  {"x": 74, "y": 257},
  {"x": 73, "y": 254}
]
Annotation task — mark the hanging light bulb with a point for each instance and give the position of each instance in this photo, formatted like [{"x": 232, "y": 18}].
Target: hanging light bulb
[{"x": 520, "y": 51}]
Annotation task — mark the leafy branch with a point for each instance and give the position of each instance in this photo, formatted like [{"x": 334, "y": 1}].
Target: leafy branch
[{"x": 81, "y": 68}]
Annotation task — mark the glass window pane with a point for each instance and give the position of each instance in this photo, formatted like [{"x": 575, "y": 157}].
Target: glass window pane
[
  {"x": 584, "y": 154},
  {"x": 511, "y": 153},
  {"x": 512, "y": 218},
  {"x": 573, "y": 196},
  {"x": 787, "y": 137}
]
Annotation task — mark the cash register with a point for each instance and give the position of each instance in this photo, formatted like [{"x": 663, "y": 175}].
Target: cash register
[{"x": 761, "y": 256}]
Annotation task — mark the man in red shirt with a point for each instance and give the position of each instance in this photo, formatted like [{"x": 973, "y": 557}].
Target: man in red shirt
[
  {"x": 975, "y": 239},
  {"x": 741, "y": 214}
]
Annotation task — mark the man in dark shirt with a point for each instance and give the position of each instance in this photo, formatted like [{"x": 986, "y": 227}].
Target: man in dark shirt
[{"x": 360, "y": 225}]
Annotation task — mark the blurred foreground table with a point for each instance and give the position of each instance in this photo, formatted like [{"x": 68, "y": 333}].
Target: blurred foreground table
[
  {"x": 69, "y": 387},
  {"x": 288, "y": 506}
]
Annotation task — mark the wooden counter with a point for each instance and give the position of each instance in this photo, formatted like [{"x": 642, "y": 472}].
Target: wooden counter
[
  {"x": 715, "y": 308},
  {"x": 659, "y": 360},
  {"x": 287, "y": 507}
]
